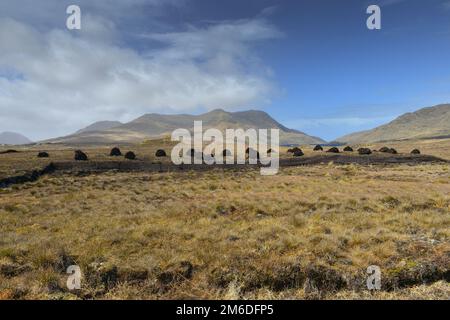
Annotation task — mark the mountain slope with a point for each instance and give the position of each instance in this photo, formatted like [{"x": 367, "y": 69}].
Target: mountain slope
[
  {"x": 13, "y": 138},
  {"x": 156, "y": 126},
  {"x": 100, "y": 126},
  {"x": 429, "y": 122}
]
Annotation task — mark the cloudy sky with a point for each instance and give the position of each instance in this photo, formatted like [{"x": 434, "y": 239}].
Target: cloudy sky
[{"x": 312, "y": 64}]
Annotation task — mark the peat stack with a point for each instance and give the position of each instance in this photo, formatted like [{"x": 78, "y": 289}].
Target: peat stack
[
  {"x": 348, "y": 149},
  {"x": 318, "y": 148},
  {"x": 293, "y": 150},
  {"x": 298, "y": 153},
  {"x": 393, "y": 151},
  {"x": 388, "y": 150},
  {"x": 43, "y": 154},
  {"x": 115, "y": 152},
  {"x": 252, "y": 154},
  {"x": 80, "y": 156},
  {"x": 130, "y": 155},
  {"x": 333, "y": 150},
  {"x": 226, "y": 153},
  {"x": 160, "y": 153},
  {"x": 191, "y": 152},
  {"x": 415, "y": 151},
  {"x": 364, "y": 151},
  {"x": 9, "y": 151}
]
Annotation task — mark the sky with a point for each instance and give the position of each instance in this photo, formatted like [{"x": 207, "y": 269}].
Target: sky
[{"x": 313, "y": 65}]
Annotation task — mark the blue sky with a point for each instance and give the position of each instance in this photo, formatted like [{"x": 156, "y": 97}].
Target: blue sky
[
  {"x": 312, "y": 64},
  {"x": 340, "y": 77}
]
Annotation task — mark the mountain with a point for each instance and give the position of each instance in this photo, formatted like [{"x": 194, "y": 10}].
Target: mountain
[
  {"x": 153, "y": 125},
  {"x": 100, "y": 126},
  {"x": 13, "y": 138},
  {"x": 432, "y": 122}
]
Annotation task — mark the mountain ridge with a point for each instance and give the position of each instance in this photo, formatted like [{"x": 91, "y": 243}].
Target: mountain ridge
[
  {"x": 154, "y": 125},
  {"x": 425, "y": 123},
  {"x": 100, "y": 125},
  {"x": 13, "y": 138}
]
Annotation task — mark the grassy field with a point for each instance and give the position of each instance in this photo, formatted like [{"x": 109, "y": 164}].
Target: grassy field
[{"x": 308, "y": 233}]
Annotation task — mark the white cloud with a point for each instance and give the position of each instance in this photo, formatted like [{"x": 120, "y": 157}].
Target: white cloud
[{"x": 64, "y": 80}]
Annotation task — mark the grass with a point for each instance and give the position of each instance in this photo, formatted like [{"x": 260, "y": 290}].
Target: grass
[{"x": 307, "y": 233}]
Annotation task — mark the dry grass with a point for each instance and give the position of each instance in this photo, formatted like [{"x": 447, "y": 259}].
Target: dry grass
[{"x": 309, "y": 232}]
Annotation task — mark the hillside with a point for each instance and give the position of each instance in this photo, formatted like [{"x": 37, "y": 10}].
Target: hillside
[
  {"x": 432, "y": 122},
  {"x": 156, "y": 126},
  {"x": 100, "y": 125},
  {"x": 13, "y": 138}
]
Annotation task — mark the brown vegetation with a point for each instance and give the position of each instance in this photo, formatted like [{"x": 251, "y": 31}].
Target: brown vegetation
[{"x": 308, "y": 232}]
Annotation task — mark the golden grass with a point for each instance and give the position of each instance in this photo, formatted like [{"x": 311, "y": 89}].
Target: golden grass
[{"x": 309, "y": 232}]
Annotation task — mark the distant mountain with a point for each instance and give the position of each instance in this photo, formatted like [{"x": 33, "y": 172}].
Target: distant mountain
[
  {"x": 432, "y": 122},
  {"x": 13, "y": 138},
  {"x": 100, "y": 126},
  {"x": 156, "y": 126}
]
